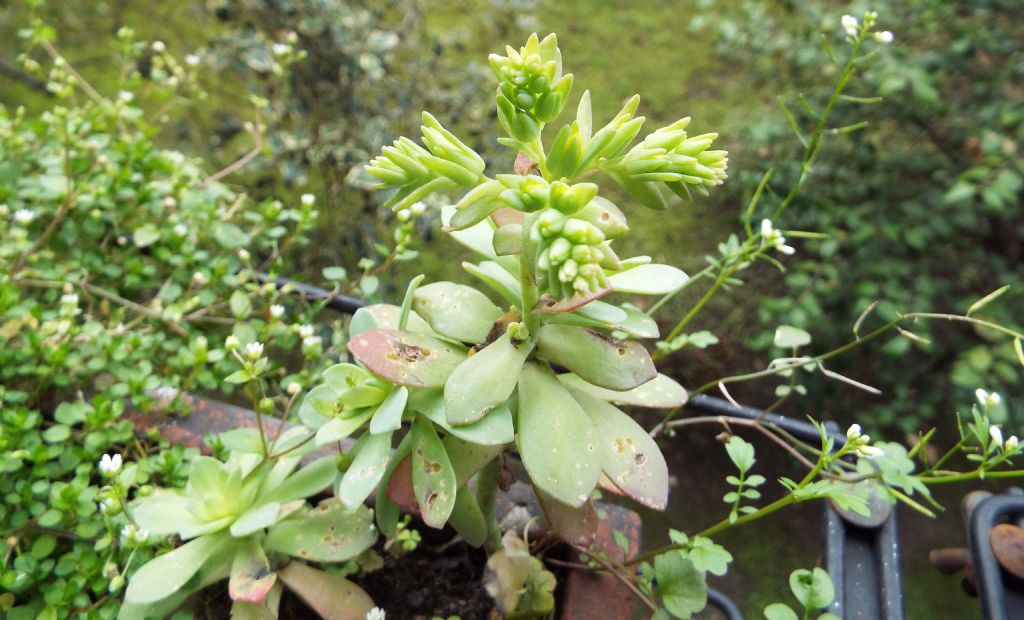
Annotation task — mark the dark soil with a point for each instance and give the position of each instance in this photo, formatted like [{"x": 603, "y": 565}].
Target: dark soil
[{"x": 431, "y": 582}]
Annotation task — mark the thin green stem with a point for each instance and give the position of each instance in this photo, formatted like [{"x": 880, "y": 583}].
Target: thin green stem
[{"x": 530, "y": 294}]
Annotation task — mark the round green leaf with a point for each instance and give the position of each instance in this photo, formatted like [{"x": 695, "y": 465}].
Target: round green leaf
[{"x": 456, "y": 311}]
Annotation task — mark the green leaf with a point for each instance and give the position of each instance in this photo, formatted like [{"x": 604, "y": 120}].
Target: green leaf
[
  {"x": 56, "y": 433},
  {"x": 251, "y": 578},
  {"x": 164, "y": 513},
  {"x": 331, "y": 596},
  {"x": 661, "y": 392},
  {"x": 388, "y": 416},
  {"x": 306, "y": 482},
  {"x": 987, "y": 299},
  {"x": 741, "y": 453},
  {"x": 229, "y": 235},
  {"x": 708, "y": 556},
  {"x": 789, "y": 337},
  {"x": 499, "y": 279},
  {"x": 146, "y": 235},
  {"x": 598, "y": 359},
  {"x": 165, "y": 574},
  {"x": 242, "y": 440},
  {"x": 342, "y": 426},
  {"x": 413, "y": 360},
  {"x": 467, "y": 518},
  {"x": 779, "y": 611},
  {"x": 456, "y": 311},
  {"x": 327, "y": 533},
  {"x": 649, "y": 280},
  {"x": 372, "y": 454},
  {"x": 680, "y": 584},
  {"x": 484, "y": 380},
  {"x": 255, "y": 519},
  {"x": 241, "y": 307},
  {"x": 557, "y": 441},
  {"x": 813, "y": 588},
  {"x": 335, "y": 274},
  {"x": 433, "y": 478},
  {"x": 629, "y": 457},
  {"x": 495, "y": 428}
]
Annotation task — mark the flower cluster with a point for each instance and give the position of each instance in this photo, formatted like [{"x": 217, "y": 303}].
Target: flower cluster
[
  {"x": 773, "y": 238},
  {"x": 860, "y": 443},
  {"x": 531, "y": 88}
]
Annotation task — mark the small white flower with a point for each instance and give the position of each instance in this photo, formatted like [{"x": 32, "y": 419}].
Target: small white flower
[
  {"x": 306, "y": 331},
  {"x": 850, "y": 25},
  {"x": 71, "y": 299},
  {"x": 987, "y": 399},
  {"x": 108, "y": 506},
  {"x": 158, "y": 46},
  {"x": 231, "y": 342},
  {"x": 276, "y": 311},
  {"x": 254, "y": 350},
  {"x": 293, "y": 388},
  {"x": 24, "y": 216},
  {"x": 199, "y": 278},
  {"x": 418, "y": 208},
  {"x": 869, "y": 452},
  {"x": 773, "y": 238},
  {"x": 170, "y": 202},
  {"x": 191, "y": 60},
  {"x": 110, "y": 465},
  {"x": 853, "y": 432},
  {"x": 404, "y": 215},
  {"x": 1011, "y": 443},
  {"x": 884, "y": 37},
  {"x": 312, "y": 342},
  {"x": 308, "y": 200},
  {"x": 375, "y": 614},
  {"x": 134, "y": 534},
  {"x": 996, "y": 435},
  {"x": 126, "y": 96},
  {"x": 180, "y": 229},
  {"x": 280, "y": 49}
]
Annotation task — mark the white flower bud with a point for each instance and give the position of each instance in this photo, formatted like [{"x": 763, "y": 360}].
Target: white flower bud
[
  {"x": 308, "y": 200},
  {"x": 306, "y": 331},
  {"x": 199, "y": 278},
  {"x": 170, "y": 202},
  {"x": 1011, "y": 443},
  {"x": 24, "y": 216},
  {"x": 850, "y": 25},
  {"x": 884, "y": 37},
  {"x": 254, "y": 350},
  {"x": 276, "y": 311},
  {"x": 191, "y": 60},
  {"x": 126, "y": 96},
  {"x": 293, "y": 388},
  {"x": 996, "y": 435},
  {"x": 231, "y": 343},
  {"x": 110, "y": 464},
  {"x": 853, "y": 432},
  {"x": 158, "y": 46}
]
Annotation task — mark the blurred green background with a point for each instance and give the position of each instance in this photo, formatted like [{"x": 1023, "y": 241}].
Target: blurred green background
[{"x": 922, "y": 207}]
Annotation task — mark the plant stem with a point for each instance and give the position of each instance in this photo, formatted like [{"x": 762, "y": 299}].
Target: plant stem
[{"x": 530, "y": 294}]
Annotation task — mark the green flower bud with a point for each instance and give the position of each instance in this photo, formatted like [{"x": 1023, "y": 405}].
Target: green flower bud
[
  {"x": 568, "y": 271},
  {"x": 578, "y": 231},
  {"x": 563, "y": 198},
  {"x": 550, "y": 223},
  {"x": 266, "y": 406},
  {"x": 559, "y": 250}
]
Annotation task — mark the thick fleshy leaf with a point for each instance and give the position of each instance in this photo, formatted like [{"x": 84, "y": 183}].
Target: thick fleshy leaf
[
  {"x": 251, "y": 578},
  {"x": 341, "y": 427},
  {"x": 467, "y": 518},
  {"x": 477, "y": 205},
  {"x": 265, "y": 610},
  {"x": 318, "y": 406},
  {"x": 506, "y": 216},
  {"x": 433, "y": 478},
  {"x": 327, "y": 533},
  {"x": 549, "y": 305},
  {"x": 508, "y": 239},
  {"x": 387, "y": 511},
  {"x": 661, "y": 392},
  {"x": 575, "y": 525},
  {"x": 484, "y": 381},
  {"x": 606, "y": 215},
  {"x": 628, "y": 454},
  {"x": 242, "y": 440},
  {"x": 164, "y": 513},
  {"x": 499, "y": 279},
  {"x": 557, "y": 441},
  {"x": 165, "y": 574},
  {"x": 384, "y": 316},
  {"x": 414, "y": 360},
  {"x": 331, "y": 596},
  {"x": 638, "y": 323},
  {"x": 341, "y": 377},
  {"x": 216, "y": 568},
  {"x": 456, "y": 311},
  {"x": 256, "y": 518},
  {"x": 595, "y": 357},
  {"x": 366, "y": 470},
  {"x": 388, "y": 416},
  {"x": 603, "y": 312},
  {"x": 649, "y": 280},
  {"x": 495, "y": 428},
  {"x": 468, "y": 458},
  {"x": 308, "y": 481}
]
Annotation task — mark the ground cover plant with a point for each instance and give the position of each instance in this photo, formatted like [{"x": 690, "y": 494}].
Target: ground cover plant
[{"x": 427, "y": 402}]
